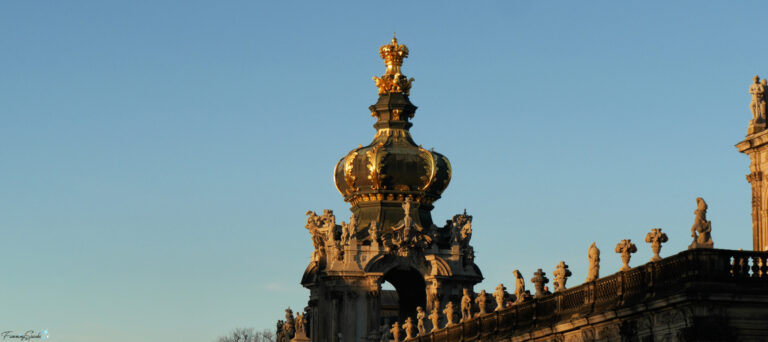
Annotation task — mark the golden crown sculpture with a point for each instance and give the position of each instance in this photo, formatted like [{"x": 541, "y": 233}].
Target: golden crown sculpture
[{"x": 393, "y": 81}]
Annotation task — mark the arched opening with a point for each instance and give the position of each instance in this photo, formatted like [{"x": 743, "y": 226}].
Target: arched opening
[{"x": 411, "y": 290}]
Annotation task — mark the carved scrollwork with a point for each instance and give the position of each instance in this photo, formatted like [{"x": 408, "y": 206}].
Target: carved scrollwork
[
  {"x": 348, "y": 176},
  {"x": 374, "y": 166}
]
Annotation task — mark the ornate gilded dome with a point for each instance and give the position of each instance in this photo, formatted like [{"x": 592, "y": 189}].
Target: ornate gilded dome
[{"x": 377, "y": 178}]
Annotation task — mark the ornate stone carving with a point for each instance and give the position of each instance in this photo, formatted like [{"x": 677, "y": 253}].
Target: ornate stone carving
[
  {"x": 594, "y": 263},
  {"x": 289, "y": 326},
  {"x": 655, "y": 237},
  {"x": 482, "y": 302},
  {"x": 519, "y": 286},
  {"x": 301, "y": 333},
  {"x": 434, "y": 317},
  {"x": 420, "y": 316},
  {"x": 757, "y": 104},
  {"x": 701, "y": 231},
  {"x": 538, "y": 280},
  {"x": 499, "y": 295},
  {"x": 561, "y": 275},
  {"x": 625, "y": 248},
  {"x": 408, "y": 234},
  {"x": 466, "y": 306},
  {"x": 408, "y": 327},
  {"x": 449, "y": 312},
  {"x": 373, "y": 232},
  {"x": 395, "y": 331}
]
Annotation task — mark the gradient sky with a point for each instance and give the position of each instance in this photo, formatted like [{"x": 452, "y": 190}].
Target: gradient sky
[{"x": 157, "y": 158}]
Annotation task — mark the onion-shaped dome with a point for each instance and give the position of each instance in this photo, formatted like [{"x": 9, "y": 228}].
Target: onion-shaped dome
[{"x": 377, "y": 178}]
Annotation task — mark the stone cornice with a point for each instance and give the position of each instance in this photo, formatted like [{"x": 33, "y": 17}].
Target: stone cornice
[{"x": 753, "y": 141}]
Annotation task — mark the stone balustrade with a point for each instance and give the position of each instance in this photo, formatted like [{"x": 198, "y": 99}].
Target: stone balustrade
[{"x": 691, "y": 270}]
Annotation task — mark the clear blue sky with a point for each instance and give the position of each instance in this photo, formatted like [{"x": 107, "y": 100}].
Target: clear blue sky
[{"x": 157, "y": 158}]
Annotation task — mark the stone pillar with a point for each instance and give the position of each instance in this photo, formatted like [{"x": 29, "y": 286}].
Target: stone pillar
[{"x": 756, "y": 146}]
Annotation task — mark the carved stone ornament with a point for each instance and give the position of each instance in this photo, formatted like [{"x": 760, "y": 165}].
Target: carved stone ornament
[
  {"x": 519, "y": 286},
  {"x": 561, "y": 275},
  {"x": 395, "y": 331},
  {"x": 499, "y": 295},
  {"x": 466, "y": 306},
  {"x": 420, "y": 316},
  {"x": 757, "y": 105},
  {"x": 408, "y": 234},
  {"x": 408, "y": 327},
  {"x": 655, "y": 237},
  {"x": 538, "y": 280},
  {"x": 626, "y": 248},
  {"x": 449, "y": 311},
  {"x": 434, "y": 317},
  {"x": 594, "y": 263},
  {"x": 482, "y": 302},
  {"x": 701, "y": 231}
]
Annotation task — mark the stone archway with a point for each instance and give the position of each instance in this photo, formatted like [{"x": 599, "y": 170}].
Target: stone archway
[{"x": 411, "y": 290}]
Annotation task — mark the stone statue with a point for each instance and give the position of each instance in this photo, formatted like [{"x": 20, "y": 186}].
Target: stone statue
[
  {"x": 701, "y": 231},
  {"x": 466, "y": 306},
  {"x": 301, "y": 332},
  {"x": 481, "y": 301},
  {"x": 764, "y": 84},
  {"x": 655, "y": 237},
  {"x": 373, "y": 232},
  {"x": 448, "y": 312},
  {"x": 420, "y": 316},
  {"x": 626, "y": 248},
  {"x": 499, "y": 295},
  {"x": 395, "y": 331},
  {"x": 561, "y": 275},
  {"x": 408, "y": 326},
  {"x": 519, "y": 287},
  {"x": 384, "y": 329},
  {"x": 289, "y": 324},
  {"x": 344, "y": 233},
  {"x": 435, "y": 318},
  {"x": 758, "y": 99},
  {"x": 538, "y": 280},
  {"x": 594, "y": 263}
]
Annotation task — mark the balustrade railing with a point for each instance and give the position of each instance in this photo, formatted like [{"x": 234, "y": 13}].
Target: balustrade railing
[{"x": 647, "y": 282}]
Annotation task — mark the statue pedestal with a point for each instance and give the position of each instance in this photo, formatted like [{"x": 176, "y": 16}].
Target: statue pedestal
[
  {"x": 695, "y": 245},
  {"x": 756, "y": 126},
  {"x": 300, "y": 336}
]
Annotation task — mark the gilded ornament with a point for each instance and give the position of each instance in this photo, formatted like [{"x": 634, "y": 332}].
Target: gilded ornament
[
  {"x": 393, "y": 81},
  {"x": 348, "y": 176},
  {"x": 374, "y": 165},
  {"x": 396, "y": 114},
  {"x": 431, "y": 168}
]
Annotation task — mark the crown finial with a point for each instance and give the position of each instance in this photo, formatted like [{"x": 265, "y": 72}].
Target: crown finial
[{"x": 393, "y": 81}]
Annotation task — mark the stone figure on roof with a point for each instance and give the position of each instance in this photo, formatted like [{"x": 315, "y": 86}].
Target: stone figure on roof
[
  {"x": 701, "y": 231},
  {"x": 593, "y": 272},
  {"x": 519, "y": 286},
  {"x": 757, "y": 89},
  {"x": 499, "y": 295},
  {"x": 481, "y": 301}
]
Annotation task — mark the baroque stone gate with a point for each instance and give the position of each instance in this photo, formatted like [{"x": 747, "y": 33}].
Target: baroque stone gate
[{"x": 391, "y": 185}]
